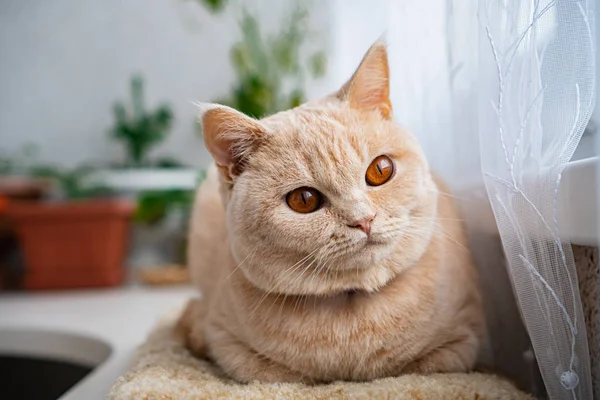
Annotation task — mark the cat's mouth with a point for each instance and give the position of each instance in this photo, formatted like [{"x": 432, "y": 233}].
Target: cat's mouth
[
  {"x": 369, "y": 246},
  {"x": 364, "y": 250},
  {"x": 373, "y": 244},
  {"x": 374, "y": 240}
]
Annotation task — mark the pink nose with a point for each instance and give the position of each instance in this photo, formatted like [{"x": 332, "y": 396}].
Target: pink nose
[{"x": 363, "y": 224}]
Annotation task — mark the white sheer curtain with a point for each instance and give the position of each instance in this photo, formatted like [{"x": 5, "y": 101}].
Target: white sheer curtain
[
  {"x": 536, "y": 62},
  {"x": 498, "y": 92}
]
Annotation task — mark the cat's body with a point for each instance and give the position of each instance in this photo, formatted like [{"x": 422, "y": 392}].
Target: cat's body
[{"x": 291, "y": 296}]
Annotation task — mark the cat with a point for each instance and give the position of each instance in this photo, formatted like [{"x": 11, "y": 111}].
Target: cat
[{"x": 324, "y": 248}]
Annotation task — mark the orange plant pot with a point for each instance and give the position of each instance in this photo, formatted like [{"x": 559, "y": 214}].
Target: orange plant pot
[{"x": 73, "y": 244}]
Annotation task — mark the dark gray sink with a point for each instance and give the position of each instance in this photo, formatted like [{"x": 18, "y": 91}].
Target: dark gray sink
[
  {"x": 44, "y": 365},
  {"x": 24, "y": 378}
]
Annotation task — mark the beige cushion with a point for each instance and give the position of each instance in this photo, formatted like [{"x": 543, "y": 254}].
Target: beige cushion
[{"x": 164, "y": 369}]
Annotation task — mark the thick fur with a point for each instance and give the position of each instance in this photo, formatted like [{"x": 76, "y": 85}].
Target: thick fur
[{"x": 308, "y": 297}]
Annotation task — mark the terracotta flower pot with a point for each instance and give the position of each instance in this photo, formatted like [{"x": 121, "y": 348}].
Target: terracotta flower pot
[
  {"x": 73, "y": 244},
  {"x": 22, "y": 188},
  {"x": 4, "y": 223},
  {"x": 15, "y": 189}
]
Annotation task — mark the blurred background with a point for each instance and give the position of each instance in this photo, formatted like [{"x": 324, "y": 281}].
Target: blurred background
[
  {"x": 97, "y": 103},
  {"x": 97, "y": 106},
  {"x": 100, "y": 148},
  {"x": 65, "y": 64}
]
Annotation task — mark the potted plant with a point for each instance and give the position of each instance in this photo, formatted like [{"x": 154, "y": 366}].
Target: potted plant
[
  {"x": 15, "y": 182},
  {"x": 141, "y": 130},
  {"x": 16, "y": 186},
  {"x": 162, "y": 218},
  {"x": 163, "y": 187},
  {"x": 77, "y": 241}
]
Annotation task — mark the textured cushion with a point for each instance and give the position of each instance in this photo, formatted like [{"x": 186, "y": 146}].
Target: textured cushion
[
  {"x": 164, "y": 369},
  {"x": 588, "y": 272}
]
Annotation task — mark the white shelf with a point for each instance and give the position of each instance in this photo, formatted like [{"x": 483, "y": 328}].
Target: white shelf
[
  {"x": 578, "y": 202},
  {"x": 136, "y": 180}
]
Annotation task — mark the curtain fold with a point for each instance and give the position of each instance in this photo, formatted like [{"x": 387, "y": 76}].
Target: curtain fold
[{"x": 536, "y": 94}]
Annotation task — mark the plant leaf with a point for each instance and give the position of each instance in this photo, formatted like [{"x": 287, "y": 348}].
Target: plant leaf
[{"x": 318, "y": 64}]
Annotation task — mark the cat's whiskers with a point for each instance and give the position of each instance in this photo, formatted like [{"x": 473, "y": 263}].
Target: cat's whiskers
[
  {"x": 292, "y": 284},
  {"x": 321, "y": 260},
  {"x": 299, "y": 277},
  {"x": 323, "y": 277},
  {"x": 285, "y": 297},
  {"x": 448, "y": 237},
  {"x": 403, "y": 231},
  {"x": 440, "y": 230},
  {"x": 437, "y": 219},
  {"x": 450, "y": 195},
  {"x": 288, "y": 271},
  {"x": 341, "y": 250},
  {"x": 299, "y": 297},
  {"x": 297, "y": 302},
  {"x": 392, "y": 227},
  {"x": 253, "y": 252},
  {"x": 336, "y": 275},
  {"x": 319, "y": 270},
  {"x": 315, "y": 272}
]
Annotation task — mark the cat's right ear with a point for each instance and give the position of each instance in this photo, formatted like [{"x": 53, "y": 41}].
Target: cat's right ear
[
  {"x": 229, "y": 135},
  {"x": 369, "y": 87}
]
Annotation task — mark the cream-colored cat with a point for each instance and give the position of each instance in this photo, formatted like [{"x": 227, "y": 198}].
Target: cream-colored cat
[{"x": 323, "y": 247}]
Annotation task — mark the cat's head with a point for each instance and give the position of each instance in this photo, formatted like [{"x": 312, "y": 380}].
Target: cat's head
[{"x": 328, "y": 196}]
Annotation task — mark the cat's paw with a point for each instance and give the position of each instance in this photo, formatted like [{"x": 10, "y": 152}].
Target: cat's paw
[
  {"x": 190, "y": 328},
  {"x": 456, "y": 356},
  {"x": 245, "y": 365}
]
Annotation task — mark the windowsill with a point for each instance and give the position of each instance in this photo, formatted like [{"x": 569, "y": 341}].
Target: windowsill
[{"x": 578, "y": 202}]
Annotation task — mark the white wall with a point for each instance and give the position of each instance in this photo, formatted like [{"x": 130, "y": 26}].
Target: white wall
[{"x": 63, "y": 63}]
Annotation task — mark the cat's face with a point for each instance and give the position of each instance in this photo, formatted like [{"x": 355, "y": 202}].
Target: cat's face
[{"x": 329, "y": 196}]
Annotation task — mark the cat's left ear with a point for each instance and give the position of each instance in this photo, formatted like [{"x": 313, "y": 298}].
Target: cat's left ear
[
  {"x": 369, "y": 87},
  {"x": 229, "y": 135}
]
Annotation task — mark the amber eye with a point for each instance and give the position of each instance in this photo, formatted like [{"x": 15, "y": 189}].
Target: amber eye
[
  {"x": 304, "y": 200},
  {"x": 380, "y": 171}
]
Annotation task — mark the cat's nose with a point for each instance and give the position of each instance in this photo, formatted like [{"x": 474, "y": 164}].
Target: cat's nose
[{"x": 363, "y": 224}]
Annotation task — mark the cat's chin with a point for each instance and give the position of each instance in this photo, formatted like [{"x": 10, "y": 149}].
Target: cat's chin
[{"x": 370, "y": 280}]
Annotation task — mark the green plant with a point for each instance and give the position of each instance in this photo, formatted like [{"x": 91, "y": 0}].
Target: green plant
[
  {"x": 270, "y": 69},
  {"x": 74, "y": 184},
  {"x": 213, "y": 6},
  {"x": 154, "y": 206},
  {"x": 140, "y": 130},
  {"x": 168, "y": 162},
  {"x": 17, "y": 162}
]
